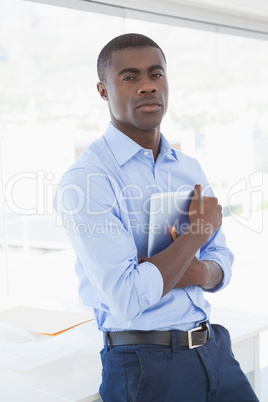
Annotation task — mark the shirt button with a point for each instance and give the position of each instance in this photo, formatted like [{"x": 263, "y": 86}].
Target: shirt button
[{"x": 146, "y": 153}]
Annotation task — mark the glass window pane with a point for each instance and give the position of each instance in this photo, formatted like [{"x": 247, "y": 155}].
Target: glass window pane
[{"x": 50, "y": 110}]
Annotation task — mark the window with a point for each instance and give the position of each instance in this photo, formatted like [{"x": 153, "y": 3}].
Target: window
[{"x": 50, "y": 110}]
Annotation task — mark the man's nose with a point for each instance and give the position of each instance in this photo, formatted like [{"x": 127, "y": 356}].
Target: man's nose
[{"x": 147, "y": 86}]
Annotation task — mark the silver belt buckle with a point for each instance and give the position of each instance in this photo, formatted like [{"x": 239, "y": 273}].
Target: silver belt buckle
[{"x": 190, "y": 339}]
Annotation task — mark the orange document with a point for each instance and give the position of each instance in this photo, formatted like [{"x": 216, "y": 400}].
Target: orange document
[{"x": 43, "y": 321}]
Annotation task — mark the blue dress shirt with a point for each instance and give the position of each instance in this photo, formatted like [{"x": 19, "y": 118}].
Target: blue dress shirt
[{"x": 103, "y": 201}]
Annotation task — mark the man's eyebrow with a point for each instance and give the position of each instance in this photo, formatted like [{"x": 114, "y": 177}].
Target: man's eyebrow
[
  {"x": 156, "y": 67},
  {"x": 136, "y": 70},
  {"x": 129, "y": 70}
]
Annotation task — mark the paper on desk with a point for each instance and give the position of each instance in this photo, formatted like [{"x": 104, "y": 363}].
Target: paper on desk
[
  {"x": 24, "y": 351},
  {"x": 42, "y": 321}
]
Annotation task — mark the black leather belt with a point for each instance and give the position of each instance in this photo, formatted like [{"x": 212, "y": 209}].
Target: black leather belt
[{"x": 192, "y": 339}]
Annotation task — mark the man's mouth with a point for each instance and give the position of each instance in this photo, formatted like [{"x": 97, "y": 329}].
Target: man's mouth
[
  {"x": 149, "y": 108},
  {"x": 149, "y": 105}
]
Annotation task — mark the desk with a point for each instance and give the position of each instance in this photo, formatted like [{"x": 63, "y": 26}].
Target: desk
[
  {"x": 76, "y": 377},
  {"x": 73, "y": 378}
]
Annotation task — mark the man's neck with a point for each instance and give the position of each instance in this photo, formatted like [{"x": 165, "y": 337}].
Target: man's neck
[{"x": 149, "y": 139}]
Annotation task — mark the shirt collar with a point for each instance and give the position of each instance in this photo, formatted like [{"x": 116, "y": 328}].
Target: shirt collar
[
  {"x": 124, "y": 148},
  {"x": 167, "y": 149}
]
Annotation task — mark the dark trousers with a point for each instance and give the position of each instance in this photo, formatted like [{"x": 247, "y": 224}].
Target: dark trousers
[{"x": 154, "y": 373}]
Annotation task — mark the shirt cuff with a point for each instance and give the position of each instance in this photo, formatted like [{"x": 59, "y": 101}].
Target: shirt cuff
[
  {"x": 149, "y": 285},
  {"x": 227, "y": 273}
]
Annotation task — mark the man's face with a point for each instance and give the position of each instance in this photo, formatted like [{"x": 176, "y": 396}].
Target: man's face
[{"x": 137, "y": 90}]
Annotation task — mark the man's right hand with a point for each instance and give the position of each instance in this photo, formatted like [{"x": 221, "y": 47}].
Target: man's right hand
[
  {"x": 205, "y": 214},
  {"x": 205, "y": 218}
]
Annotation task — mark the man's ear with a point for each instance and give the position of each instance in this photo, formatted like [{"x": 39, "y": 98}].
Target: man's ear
[{"x": 102, "y": 91}]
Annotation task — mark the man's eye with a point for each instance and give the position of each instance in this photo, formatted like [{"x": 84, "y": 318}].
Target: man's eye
[
  {"x": 158, "y": 75},
  {"x": 128, "y": 78}
]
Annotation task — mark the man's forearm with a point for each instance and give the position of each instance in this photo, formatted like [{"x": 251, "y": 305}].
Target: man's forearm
[
  {"x": 174, "y": 261},
  {"x": 214, "y": 275},
  {"x": 206, "y": 274},
  {"x": 205, "y": 216}
]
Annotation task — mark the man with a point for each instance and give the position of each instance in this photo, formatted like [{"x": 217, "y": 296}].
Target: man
[{"x": 158, "y": 342}]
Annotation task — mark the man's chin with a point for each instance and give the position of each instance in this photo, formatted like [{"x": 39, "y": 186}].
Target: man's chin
[{"x": 149, "y": 124}]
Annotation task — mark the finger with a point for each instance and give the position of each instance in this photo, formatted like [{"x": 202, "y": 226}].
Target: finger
[
  {"x": 198, "y": 192},
  {"x": 174, "y": 233},
  {"x": 212, "y": 199}
]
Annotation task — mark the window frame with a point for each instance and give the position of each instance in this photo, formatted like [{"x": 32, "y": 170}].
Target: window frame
[{"x": 174, "y": 13}]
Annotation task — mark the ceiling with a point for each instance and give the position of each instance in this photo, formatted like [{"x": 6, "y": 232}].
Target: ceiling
[
  {"x": 258, "y": 8},
  {"x": 245, "y": 14},
  {"x": 250, "y": 15}
]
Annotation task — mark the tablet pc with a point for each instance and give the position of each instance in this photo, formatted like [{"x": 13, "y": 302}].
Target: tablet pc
[{"x": 167, "y": 210}]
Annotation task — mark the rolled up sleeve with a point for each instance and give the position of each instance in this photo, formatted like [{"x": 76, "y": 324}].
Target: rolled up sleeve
[
  {"x": 216, "y": 250},
  {"x": 97, "y": 224}
]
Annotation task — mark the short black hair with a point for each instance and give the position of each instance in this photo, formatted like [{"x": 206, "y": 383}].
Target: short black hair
[{"x": 119, "y": 43}]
